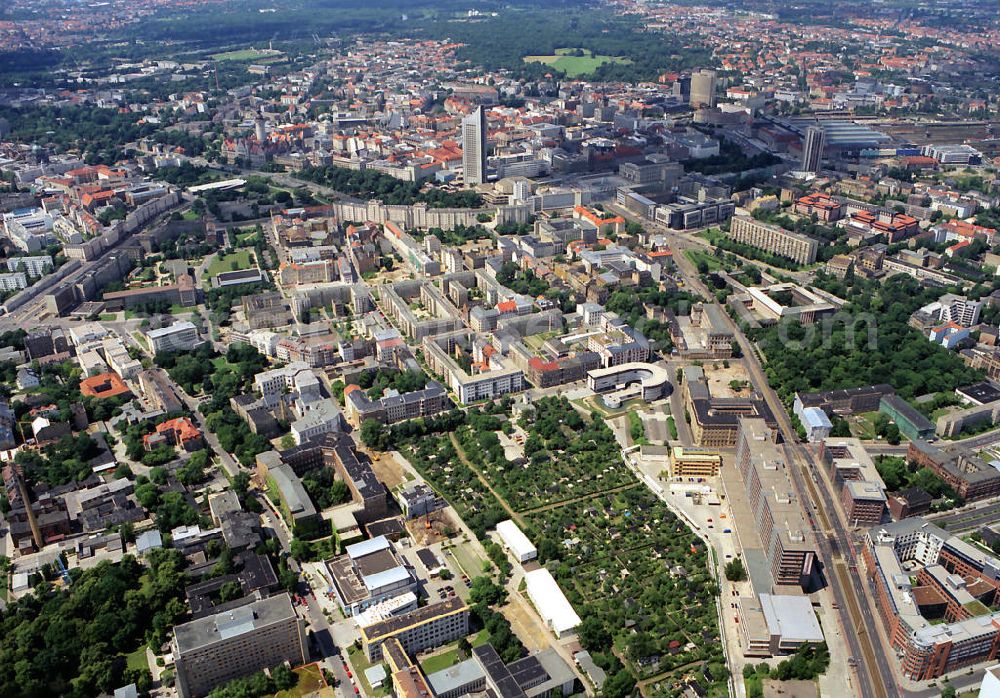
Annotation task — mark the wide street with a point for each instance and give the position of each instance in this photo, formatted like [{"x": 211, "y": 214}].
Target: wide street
[{"x": 875, "y": 676}]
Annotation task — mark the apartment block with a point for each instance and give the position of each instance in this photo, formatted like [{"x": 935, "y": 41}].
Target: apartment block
[{"x": 771, "y": 238}]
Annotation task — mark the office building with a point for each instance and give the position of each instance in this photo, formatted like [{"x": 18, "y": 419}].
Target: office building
[
  {"x": 702, "y": 88},
  {"x": 180, "y": 336},
  {"x": 694, "y": 462},
  {"x": 425, "y": 628},
  {"x": 474, "y": 147},
  {"x": 771, "y": 238},
  {"x": 845, "y": 402},
  {"x": 912, "y": 424},
  {"x": 369, "y": 573},
  {"x": 970, "y": 476},
  {"x": 396, "y": 407},
  {"x": 812, "y": 149},
  {"x": 933, "y": 592},
  {"x": 715, "y": 421},
  {"x": 785, "y": 536},
  {"x": 213, "y": 650},
  {"x": 862, "y": 490}
]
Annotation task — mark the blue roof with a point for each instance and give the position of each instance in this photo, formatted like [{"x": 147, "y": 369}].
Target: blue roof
[
  {"x": 367, "y": 547},
  {"x": 815, "y": 417},
  {"x": 148, "y": 540},
  {"x": 382, "y": 579}
]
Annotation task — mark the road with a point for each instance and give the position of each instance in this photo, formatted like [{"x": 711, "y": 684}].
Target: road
[
  {"x": 875, "y": 676},
  {"x": 968, "y": 518}
]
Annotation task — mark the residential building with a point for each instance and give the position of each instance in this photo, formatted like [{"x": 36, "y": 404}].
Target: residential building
[{"x": 771, "y": 238}]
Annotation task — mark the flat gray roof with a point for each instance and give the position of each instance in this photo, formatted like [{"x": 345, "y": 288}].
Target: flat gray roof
[{"x": 239, "y": 621}]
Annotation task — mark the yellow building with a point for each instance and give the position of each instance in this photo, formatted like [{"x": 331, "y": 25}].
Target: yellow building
[{"x": 694, "y": 462}]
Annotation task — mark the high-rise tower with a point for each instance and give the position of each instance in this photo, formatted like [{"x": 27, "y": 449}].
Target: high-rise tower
[
  {"x": 703, "y": 88},
  {"x": 474, "y": 147},
  {"x": 812, "y": 149}
]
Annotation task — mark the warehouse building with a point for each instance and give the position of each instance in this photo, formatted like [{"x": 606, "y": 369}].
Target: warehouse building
[
  {"x": 516, "y": 542},
  {"x": 550, "y": 602}
]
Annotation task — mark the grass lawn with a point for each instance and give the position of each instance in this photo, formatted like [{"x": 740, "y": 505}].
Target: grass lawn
[
  {"x": 177, "y": 308},
  {"x": 247, "y": 54},
  {"x": 190, "y": 215},
  {"x": 441, "y": 661},
  {"x": 310, "y": 681},
  {"x": 138, "y": 336},
  {"x": 481, "y": 638},
  {"x": 243, "y": 259},
  {"x": 109, "y": 317},
  {"x": 594, "y": 403},
  {"x": 672, "y": 426},
  {"x": 866, "y": 425},
  {"x": 360, "y": 663},
  {"x": 712, "y": 234},
  {"x": 696, "y": 256},
  {"x": 137, "y": 659},
  {"x": 470, "y": 563},
  {"x": 575, "y": 66}
]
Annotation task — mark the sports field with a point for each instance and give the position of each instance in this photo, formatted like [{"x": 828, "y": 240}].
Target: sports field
[
  {"x": 575, "y": 66},
  {"x": 247, "y": 54}
]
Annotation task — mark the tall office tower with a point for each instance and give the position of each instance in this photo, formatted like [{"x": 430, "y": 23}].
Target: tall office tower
[
  {"x": 812, "y": 149},
  {"x": 474, "y": 147},
  {"x": 703, "y": 88}
]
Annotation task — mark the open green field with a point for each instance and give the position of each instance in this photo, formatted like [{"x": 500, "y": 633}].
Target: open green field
[
  {"x": 240, "y": 259},
  {"x": 137, "y": 659},
  {"x": 575, "y": 66},
  {"x": 713, "y": 262},
  {"x": 247, "y": 54},
  {"x": 310, "y": 681},
  {"x": 449, "y": 657}
]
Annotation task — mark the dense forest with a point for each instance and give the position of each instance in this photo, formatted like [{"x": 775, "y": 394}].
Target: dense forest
[
  {"x": 502, "y": 42},
  {"x": 72, "y": 642},
  {"x": 369, "y": 184},
  {"x": 869, "y": 343}
]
